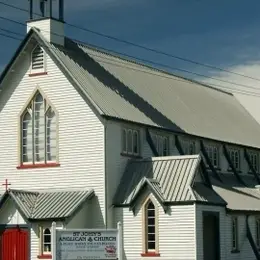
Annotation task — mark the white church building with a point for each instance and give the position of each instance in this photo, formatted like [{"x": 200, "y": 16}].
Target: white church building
[{"x": 89, "y": 139}]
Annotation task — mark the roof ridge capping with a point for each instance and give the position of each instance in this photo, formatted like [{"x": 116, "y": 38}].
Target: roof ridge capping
[
  {"x": 171, "y": 157},
  {"x": 23, "y": 191}
]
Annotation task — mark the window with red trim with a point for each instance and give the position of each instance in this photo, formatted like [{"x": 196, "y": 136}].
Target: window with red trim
[{"x": 38, "y": 133}]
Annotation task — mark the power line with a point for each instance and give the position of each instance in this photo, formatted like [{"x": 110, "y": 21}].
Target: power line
[
  {"x": 151, "y": 62},
  {"x": 146, "y": 60},
  {"x": 172, "y": 77},
  {"x": 9, "y": 36},
  {"x": 9, "y": 31},
  {"x": 157, "y": 51}
]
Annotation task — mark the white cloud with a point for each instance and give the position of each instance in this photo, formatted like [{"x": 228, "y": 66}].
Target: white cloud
[{"x": 251, "y": 85}]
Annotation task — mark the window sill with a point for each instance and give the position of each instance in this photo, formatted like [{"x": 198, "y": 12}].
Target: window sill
[
  {"x": 235, "y": 251},
  {"x": 40, "y": 165},
  {"x": 150, "y": 254},
  {"x": 44, "y": 256},
  {"x": 38, "y": 74},
  {"x": 131, "y": 155}
]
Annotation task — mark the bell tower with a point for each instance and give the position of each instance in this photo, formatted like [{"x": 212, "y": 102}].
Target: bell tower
[{"x": 48, "y": 17}]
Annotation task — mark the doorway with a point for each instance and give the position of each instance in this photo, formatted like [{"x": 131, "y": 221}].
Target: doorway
[
  {"x": 14, "y": 244},
  {"x": 211, "y": 236}
]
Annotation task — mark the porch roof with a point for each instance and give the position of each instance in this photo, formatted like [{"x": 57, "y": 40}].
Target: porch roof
[
  {"x": 170, "y": 179},
  {"x": 238, "y": 196},
  {"x": 48, "y": 204}
]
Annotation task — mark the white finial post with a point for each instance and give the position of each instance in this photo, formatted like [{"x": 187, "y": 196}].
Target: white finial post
[
  {"x": 53, "y": 241},
  {"x": 120, "y": 241}
]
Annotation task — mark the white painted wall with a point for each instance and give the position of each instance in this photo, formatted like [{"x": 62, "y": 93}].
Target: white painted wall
[
  {"x": 51, "y": 29},
  {"x": 81, "y": 136},
  {"x": 176, "y": 232},
  {"x": 10, "y": 215}
]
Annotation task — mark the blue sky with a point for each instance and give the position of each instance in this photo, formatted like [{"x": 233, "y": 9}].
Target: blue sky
[{"x": 220, "y": 33}]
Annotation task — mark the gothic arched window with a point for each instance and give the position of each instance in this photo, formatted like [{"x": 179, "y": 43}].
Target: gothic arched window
[
  {"x": 38, "y": 132},
  {"x": 150, "y": 228}
]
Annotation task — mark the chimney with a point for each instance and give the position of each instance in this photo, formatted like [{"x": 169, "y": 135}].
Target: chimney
[{"x": 42, "y": 18}]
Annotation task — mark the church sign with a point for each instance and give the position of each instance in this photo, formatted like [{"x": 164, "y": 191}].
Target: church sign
[{"x": 79, "y": 244}]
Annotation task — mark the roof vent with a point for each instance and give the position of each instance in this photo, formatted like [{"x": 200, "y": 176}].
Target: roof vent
[{"x": 37, "y": 58}]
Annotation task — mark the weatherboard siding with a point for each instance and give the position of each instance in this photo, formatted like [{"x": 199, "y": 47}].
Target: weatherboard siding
[
  {"x": 81, "y": 137},
  {"x": 244, "y": 247},
  {"x": 176, "y": 242}
]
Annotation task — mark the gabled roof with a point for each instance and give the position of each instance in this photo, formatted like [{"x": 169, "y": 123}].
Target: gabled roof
[
  {"x": 47, "y": 205},
  {"x": 122, "y": 89},
  {"x": 170, "y": 178}
]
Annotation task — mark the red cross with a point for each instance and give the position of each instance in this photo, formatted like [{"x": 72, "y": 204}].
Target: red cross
[{"x": 6, "y": 184}]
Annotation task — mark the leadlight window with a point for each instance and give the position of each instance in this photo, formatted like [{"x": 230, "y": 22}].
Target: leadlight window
[
  {"x": 253, "y": 157},
  {"x": 234, "y": 233},
  {"x": 46, "y": 241},
  {"x": 150, "y": 227},
  {"x": 258, "y": 233},
  {"x": 235, "y": 158},
  {"x": 130, "y": 142},
  {"x": 37, "y": 59},
  {"x": 161, "y": 144},
  {"x": 38, "y": 132},
  {"x": 213, "y": 154}
]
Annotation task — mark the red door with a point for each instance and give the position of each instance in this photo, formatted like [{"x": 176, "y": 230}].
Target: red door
[{"x": 14, "y": 244}]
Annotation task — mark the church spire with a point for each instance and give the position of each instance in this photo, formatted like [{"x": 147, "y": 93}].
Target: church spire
[{"x": 48, "y": 17}]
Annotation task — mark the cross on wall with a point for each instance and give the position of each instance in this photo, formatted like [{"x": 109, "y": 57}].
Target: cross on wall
[{"x": 6, "y": 184}]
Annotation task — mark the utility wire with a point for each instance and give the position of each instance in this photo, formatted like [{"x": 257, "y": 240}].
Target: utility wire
[
  {"x": 12, "y": 32},
  {"x": 9, "y": 36},
  {"x": 152, "y": 62},
  {"x": 145, "y": 60},
  {"x": 157, "y": 51},
  {"x": 169, "y": 76}
]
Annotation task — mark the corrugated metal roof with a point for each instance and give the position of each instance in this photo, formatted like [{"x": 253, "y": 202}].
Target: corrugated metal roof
[
  {"x": 59, "y": 204},
  {"x": 25, "y": 200},
  {"x": 126, "y": 90},
  {"x": 172, "y": 176},
  {"x": 238, "y": 196},
  {"x": 48, "y": 205}
]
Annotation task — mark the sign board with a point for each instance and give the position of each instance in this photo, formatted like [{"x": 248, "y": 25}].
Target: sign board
[{"x": 79, "y": 244}]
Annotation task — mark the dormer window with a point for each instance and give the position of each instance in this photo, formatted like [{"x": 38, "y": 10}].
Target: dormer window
[{"x": 37, "y": 60}]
